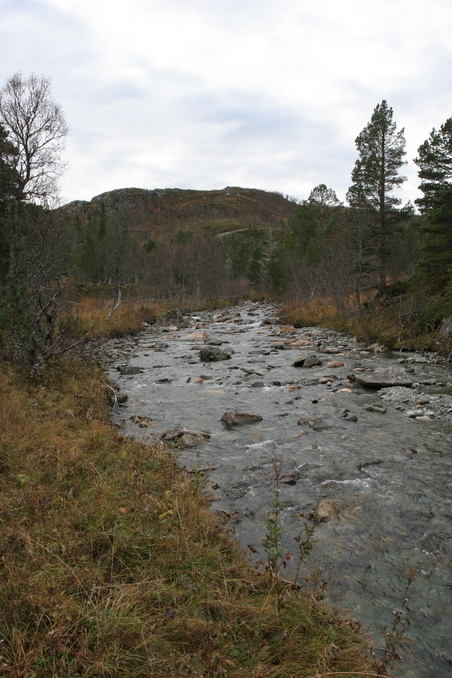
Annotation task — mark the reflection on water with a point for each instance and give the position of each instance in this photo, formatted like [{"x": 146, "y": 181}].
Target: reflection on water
[{"x": 386, "y": 476}]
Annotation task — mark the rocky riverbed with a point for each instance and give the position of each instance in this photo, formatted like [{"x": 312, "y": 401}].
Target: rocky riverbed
[{"x": 360, "y": 434}]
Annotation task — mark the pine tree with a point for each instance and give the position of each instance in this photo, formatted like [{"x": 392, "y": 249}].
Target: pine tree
[
  {"x": 435, "y": 163},
  {"x": 375, "y": 175}
]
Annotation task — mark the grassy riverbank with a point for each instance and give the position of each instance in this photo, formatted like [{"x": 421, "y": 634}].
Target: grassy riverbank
[
  {"x": 113, "y": 565},
  {"x": 128, "y": 318},
  {"x": 385, "y": 322}
]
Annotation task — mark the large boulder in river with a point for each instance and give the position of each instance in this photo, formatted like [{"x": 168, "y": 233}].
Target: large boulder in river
[
  {"x": 235, "y": 418},
  {"x": 210, "y": 354},
  {"x": 173, "y": 317},
  {"x": 307, "y": 361},
  {"x": 382, "y": 377}
]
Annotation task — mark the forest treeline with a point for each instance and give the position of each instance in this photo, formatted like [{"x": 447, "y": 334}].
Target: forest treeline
[{"x": 202, "y": 246}]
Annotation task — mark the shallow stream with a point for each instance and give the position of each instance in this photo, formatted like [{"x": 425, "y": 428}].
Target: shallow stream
[{"x": 383, "y": 478}]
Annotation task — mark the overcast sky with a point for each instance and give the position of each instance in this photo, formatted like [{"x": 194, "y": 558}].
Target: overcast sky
[{"x": 205, "y": 94}]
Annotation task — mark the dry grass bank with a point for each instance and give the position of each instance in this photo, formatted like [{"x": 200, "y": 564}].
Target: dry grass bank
[
  {"x": 112, "y": 565},
  {"x": 384, "y": 323},
  {"x": 92, "y": 314}
]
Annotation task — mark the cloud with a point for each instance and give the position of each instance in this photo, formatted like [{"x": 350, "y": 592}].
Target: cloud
[{"x": 203, "y": 93}]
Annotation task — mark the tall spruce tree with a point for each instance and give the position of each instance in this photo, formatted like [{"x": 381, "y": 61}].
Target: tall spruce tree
[{"x": 375, "y": 175}]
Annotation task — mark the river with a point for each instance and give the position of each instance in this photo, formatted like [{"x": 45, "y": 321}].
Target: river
[{"x": 377, "y": 462}]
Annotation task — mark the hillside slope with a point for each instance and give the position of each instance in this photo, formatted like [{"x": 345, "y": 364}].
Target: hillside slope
[{"x": 161, "y": 212}]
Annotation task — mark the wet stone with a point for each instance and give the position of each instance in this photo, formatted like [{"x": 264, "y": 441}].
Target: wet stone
[
  {"x": 127, "y": 370},
  {"x": 312, "y": 361},
  {"x": 316, "y": 424},
  {"x": 185, "y": 437},
  {"x": 289, "y": 477},
  {"x": 210, "y": 354},
  {"x": 376, "y": 408},
  {"x": 240, "y": 418}
]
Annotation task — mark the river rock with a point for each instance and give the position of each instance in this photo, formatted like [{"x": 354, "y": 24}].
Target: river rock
[
  {"x": 185, "y": 437},
  {"x": 289, "y": 329},
  {"x": 316, "y": 424},
  {"x": 240, "y": 418},
  {"x": 335, "y": 363},
  {"x": 312, "y": 361},
  {"x": 298, "y": 342},
  {"x": 289, "y": 477},
  {"x": 196, "y": 380},
  {"x": 129, "y": 369},
  {"x": 376, "y": 408},
  {"x": 383, "y": 377},
  {"x": 210, "y": 354},
  {"x": 173, "y": 317},
  {"x": 196, "y": 336}
]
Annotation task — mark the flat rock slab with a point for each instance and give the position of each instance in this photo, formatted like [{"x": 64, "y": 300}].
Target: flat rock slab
[
  {"x": 383, "y": 377},
  {"x": 237, "y": 418}
]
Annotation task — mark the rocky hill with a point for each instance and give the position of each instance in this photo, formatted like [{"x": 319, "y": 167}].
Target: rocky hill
[{"x": 161, "y": 212}]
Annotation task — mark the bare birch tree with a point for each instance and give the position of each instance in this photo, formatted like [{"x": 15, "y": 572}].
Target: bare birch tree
[{"x": 37, "y": 128}]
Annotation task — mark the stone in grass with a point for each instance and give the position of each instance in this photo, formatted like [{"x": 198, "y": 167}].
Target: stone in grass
[{"x": 240, "y": 418}]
